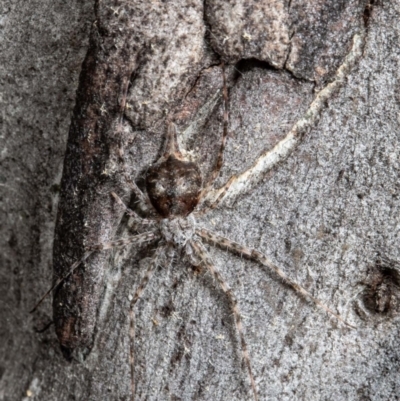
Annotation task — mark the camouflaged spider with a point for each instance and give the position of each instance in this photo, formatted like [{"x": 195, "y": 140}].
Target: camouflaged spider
[{"x": 174, "y": 189}]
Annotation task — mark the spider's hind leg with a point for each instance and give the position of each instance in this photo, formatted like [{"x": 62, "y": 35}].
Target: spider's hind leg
[
  {"x": 259, "y": 257},
  {"x": 201, "y": 253},
  {"x": 137, "y": 239},
  {"x": 138, "y": 293}
]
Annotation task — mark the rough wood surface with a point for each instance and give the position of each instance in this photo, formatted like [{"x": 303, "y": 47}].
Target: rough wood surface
[{"x": 328, "y": 215}]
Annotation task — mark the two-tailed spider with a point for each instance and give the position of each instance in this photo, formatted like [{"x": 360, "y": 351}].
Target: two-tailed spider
[{"x": 175, "y": 192}]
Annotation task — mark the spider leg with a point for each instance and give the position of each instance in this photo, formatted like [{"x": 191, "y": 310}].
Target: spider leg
[
  {"x": 201, "y": 118},
  {"x": 143, "y": 198},
  {"x": 131, "y": 213},
  {"x": 139, "y": 291},
  {"x": 201, "y": 253},
  {"x": 121, "y": 242},
  {"x": 206, "y": 207},
  {"x": 123, "y": 102},
  {"x": 250, "y": 253},
  {"x": 239, "y": 184},
  {"x": 137, "y": 239},
  {"x": 220, "y": 158}
]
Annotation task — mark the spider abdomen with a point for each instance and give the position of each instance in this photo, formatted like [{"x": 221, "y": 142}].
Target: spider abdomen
[{"x": 174, "y": 186}]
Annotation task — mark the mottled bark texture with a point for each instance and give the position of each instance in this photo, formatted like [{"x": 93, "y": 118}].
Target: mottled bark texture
[{"x": 328, "y": 215}]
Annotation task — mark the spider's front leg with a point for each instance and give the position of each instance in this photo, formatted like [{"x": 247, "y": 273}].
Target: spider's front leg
[
  {"x": 247, "y": 180},
  {"x": 143, "y": 199},
  {"x": 131, "y": 213}
]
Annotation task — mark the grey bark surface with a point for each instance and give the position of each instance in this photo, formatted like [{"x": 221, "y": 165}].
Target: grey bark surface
[{"x": 328, "y": 215}]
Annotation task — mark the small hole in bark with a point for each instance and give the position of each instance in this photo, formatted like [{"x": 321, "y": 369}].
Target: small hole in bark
[
  {"x": 167, "y": 310},
  {"x": 249, "y": 64},
  {"x": 67, "y": 353},
  {"x": 381, "y": 296}
]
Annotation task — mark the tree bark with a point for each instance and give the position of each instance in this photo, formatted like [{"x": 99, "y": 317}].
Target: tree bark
[{"x": 328, "y": 215}]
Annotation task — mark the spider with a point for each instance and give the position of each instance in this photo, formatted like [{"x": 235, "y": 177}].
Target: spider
[{"x": 176, "y": 194}]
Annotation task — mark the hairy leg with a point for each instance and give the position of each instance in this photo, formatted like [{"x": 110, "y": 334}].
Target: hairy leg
[
  {"x": 137, "y": 239},
  {"x": 220, "y": 157},
  {"x": 202, "y": 254},
  {"x": 144, "y": 200},
  {"x": 250, "y": 253},
  {"x": 139, "y": 291},
  {"x": 243, "y": 182},
  {"x": 121, "y": 242},
  {"x": 131, "y": 213}
]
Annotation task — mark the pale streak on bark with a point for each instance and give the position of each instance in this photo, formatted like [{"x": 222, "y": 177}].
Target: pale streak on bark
[{"x": 242, "y": 183}]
